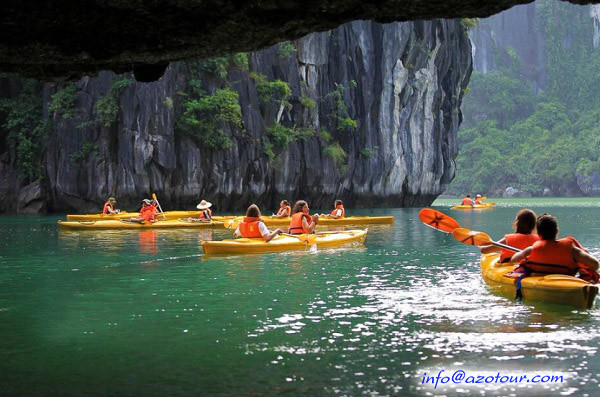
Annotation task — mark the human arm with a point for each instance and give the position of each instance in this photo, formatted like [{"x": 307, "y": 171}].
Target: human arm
[
  {"x": 519, "y": 256},
  {"x": 488, "y": 249},
  {"x": 581, "y": 256},
  {"x": 310, "y": 226},
  {"x": 337, "y": 215}
]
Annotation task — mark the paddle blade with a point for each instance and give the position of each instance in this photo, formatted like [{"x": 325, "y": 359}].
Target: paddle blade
[
  {"x": 437, "y": 220},
  {"x": 231, "y": 224},
  {"x": 154, "y": 197},
  {"x": 471, "y": 237}
]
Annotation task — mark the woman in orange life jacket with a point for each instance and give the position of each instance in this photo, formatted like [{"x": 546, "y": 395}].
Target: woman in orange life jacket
[
  {"x": 478, "y": 199},
  {"x": 284, "y": 210},
  {"x": 467, "y": 200},
  {"x": 302, "y": 222},
  {"x": 253, "y": 227},
  {"x": 338, "y": 212},
  {"x": 523, "y": 237},
  {"x": 205, "y": 215},
  {"x": 552, "y": 256},
  {"x": 109, "y": 207},
  {"x": 147, "y": 213}
]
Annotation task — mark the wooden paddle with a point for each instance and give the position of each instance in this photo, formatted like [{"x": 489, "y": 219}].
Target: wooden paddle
[
  {"x": 437, "y": 220},
  {"x": 159, "y": 207},
  {"x": 472, "y": 237}
]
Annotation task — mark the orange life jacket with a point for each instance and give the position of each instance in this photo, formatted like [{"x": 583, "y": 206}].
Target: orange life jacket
[
  {"x": 249, "y": 228},
  {"x": 206, "y": 214},
  {"x": 339, "y": 207},
  {"x": 148, "y": 213},
  {"x": 296, "y": 226},
  {"x": 106, "y": 206},
  {"x": 517, "y": 240},
  {"x": 552, "y": 257},
  {"x": 284, "y": 211},
  {"x": 466, "y": 201},
  {"x": 477, "y": 201}
]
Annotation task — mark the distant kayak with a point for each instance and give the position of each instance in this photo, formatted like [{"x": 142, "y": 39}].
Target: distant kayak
[
  {"x": 486, "y": 206},
  {"x": 350, "y": 220},
  {"x": 129, "y": 215},
  {"x": 553, "y": 288},
  {"x": 283, "y": 243},
  {"x": 120, "y": 224}
]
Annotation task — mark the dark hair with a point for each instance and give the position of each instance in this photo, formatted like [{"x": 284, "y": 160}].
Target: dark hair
[
  {"x": 285, "y": 202},
  {"x": 299, "y": 206},
  {"x": 338, "y": 202},
  {"x": 525, "y": 221},
  {"x": 468, "y": 195},
  {"x": 547, "y": 227},
  {"x": 253, "y": 211}
]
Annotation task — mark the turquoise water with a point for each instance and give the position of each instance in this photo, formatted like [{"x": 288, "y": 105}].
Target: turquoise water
[{"x": 132, "y": 313}]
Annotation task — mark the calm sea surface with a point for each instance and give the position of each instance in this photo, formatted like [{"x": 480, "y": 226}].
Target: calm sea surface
[{"x": 144, "y": 313}]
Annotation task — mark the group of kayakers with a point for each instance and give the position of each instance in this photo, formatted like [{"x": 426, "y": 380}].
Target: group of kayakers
[
  {"x": 467, "y": 200},
  {"x": 542, "y": 252},
  {"x": 301, "y": 221}
]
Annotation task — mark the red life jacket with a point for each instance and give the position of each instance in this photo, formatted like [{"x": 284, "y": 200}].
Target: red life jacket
[
  {"x": 517, "y": 240},
  {"x": 206, "y": 214},
  {"x": 105, "y": 210},
  {"x": 296, "y": 226},
  {"x": 284, "y": 211},
  {"x": 339, "y": 207},
  {"x": 148, "y": 213},
  {"x": 249, "y": 228},
  {"x": 477, "y": 201},
  {"x": 466, "y": 201},
  {"x": 552, "y": 257}
]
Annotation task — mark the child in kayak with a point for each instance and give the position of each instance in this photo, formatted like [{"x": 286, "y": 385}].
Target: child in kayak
[
  {"x": 253, "y": 227},
  {"x": 302, "y": 222},
  {"x": 147, "y": 213},
  {"x": 284, "y": 210},
  {"x": 523, "y": 237},
  {"x": 338, "y": 212},
  {"x": 552, "y": 256},
  {"x": 109, "y": 207}
]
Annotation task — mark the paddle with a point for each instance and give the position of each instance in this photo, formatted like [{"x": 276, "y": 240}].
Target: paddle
[
  {"x": 159, "y": 207},
  {"x": 472, "y": 237},
  {"x": 437, "y": 220}
]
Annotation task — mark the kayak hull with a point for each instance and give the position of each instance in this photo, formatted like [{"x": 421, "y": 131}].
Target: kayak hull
[
  {"x": 488, "y": 206},
  {"x": 553, "y": 288},
  {"x": 302, "y": 242},
  {"x": 129, "y": 215},
  {"x": 117, "y": 225}
]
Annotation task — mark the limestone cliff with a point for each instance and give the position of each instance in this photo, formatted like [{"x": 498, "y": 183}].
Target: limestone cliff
[{"x": 400, "y": 83}]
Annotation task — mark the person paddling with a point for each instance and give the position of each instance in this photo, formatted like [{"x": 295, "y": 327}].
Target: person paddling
[
  {"x": 302, "y": 222},
  {"x": 338, "y": 212},
  {"x": 147, "y": 213},
  {"x": 478, "y": 199},
  {"x": 205, "y": 214},
  {"x": 552, "y": 256},
  {"x": 284, "y": 210},
  {"x": 253, "y": 227},
  {"x": 109, "y": 207},
  {"x": 523, "y": 237},
  {"x": 467, "y": 200}
]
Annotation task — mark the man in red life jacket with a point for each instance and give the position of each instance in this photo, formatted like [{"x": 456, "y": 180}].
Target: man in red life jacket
[
  {"x": 467, "y": 200},
  {"x": 147, "y": 213},
  {"x": 552, "y": 256},
  {"x": 284, "y": 210},
  {"x": 478, "y": 199},
  {"x": 253, "y": 227}
]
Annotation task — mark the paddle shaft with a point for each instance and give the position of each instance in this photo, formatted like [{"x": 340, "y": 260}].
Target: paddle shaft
[
  {"x": 159, "y": 207},
  {"x": 506, "y": 247}
]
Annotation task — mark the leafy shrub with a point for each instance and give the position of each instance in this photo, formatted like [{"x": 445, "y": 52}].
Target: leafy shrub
[
  {"x": 107, "y": 107},
  {"x": 203, "y": 118},
  {"x": 337, "y": 155},
  {"x": 325, "y": 135},
  {"x": 346, "y": 124},
  {"x": 240, "y": 60},
  {"x": 87, "y": 149},
  {"x": 469, "y": 23},
  {"x": 168, "y": 102},
  {"x": 286, "y": 49},
  {"x": 308, "y": 103},
  {"x": 277, "y": 90},
  {"x": 367, "y": 152},
  {"x": 63, "y": 101}
]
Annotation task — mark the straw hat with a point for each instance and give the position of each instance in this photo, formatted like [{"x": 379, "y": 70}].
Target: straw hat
[
  {"x": 203, "y": 205},
  {"x": 147, "y": 201},
  {"x": 112, "y": 200}
]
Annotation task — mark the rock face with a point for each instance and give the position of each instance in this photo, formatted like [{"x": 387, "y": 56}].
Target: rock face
[
  {"x": 401, "y": 82},
  {"x": 67, "y": 39}
]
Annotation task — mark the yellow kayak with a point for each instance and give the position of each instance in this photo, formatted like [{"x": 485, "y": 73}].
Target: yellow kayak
[
  {"x": 119, "y": 224},
  {"x": 486, "y": 206},
  {"x": 553, "y": 288},
  {"x": 350, "y": 220},
  {"x": 282, "y": 243},
  {"x": 129, "y": 215}
]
